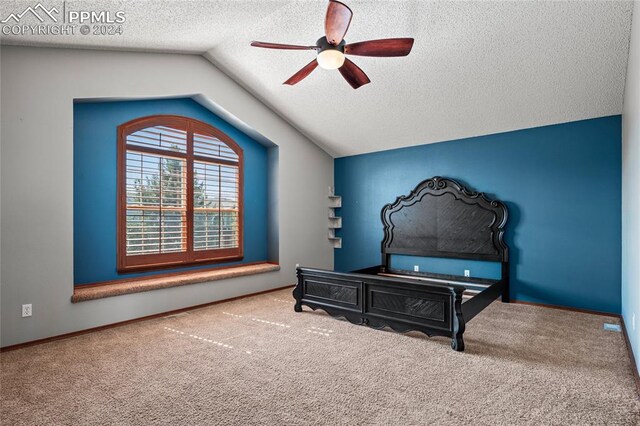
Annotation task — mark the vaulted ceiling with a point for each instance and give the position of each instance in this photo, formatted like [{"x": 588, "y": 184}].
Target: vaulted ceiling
[{"x": 476, "y": 67}]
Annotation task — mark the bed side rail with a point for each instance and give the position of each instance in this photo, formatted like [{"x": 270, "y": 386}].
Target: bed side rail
[{"x": 478, "y": 302}]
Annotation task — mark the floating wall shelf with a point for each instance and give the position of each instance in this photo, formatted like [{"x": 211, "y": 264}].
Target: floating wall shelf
[
  {"x": 335, "y": 202},
  {"x": 335, "y": 222}
]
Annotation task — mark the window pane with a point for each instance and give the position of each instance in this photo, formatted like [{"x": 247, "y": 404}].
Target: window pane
[
  {"x": 160, "y": 137},
  {"x": 143, "y": 184},
  {"x": 229, "y": 187},
  {"x": 215, "y": 198},
  {"x": 206, "y": 185},
  {"x": 173, "y": 181},
  {"x": 173, "y": 231},
  {"x": 212, "y": 147},
  {"x": 229, "y": 231},
  {"x": 143, "y": 232},
  {"x": 156, "y": 204},
  {"x": 206, "y": 231}
]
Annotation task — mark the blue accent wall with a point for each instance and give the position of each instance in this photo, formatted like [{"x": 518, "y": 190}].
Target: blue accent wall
[
  {"x": 480, "y": 269},
  {"x": 94, "y": 183},
  {"x": 561, "y": 184}
]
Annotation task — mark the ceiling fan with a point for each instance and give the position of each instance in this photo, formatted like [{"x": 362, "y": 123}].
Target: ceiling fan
[{"x": 332, "y": 48}]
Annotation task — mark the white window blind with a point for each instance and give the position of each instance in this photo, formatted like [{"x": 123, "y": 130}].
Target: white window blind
[
  {"x": 156, "y": 193},
  {"x": 161, "y": 137},
  {"x": 215, "y": 206},
  {"x": 162, "y": 206},
  {"x": 212, "y": 147}
]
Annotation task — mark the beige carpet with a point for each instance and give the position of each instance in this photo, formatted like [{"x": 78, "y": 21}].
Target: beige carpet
[{"x": 255, "y": 361}]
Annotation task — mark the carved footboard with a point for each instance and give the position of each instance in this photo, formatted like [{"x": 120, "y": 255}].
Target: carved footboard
[{"x": 378, "y": 302}]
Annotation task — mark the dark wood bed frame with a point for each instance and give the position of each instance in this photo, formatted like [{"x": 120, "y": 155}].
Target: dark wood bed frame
[{"x": 439, "y": 218}]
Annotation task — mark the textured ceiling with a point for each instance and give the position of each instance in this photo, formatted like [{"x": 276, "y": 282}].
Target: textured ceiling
[{"x": 476, "y": 67}]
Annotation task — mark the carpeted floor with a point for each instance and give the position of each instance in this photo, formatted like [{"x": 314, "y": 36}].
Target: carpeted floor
[{"x": 254, "y": 361}]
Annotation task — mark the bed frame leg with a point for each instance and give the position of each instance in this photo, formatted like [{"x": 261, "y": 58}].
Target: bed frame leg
[
  {"x": 297, "y": 292},
  {"x": 506, "y": 298},
  {"x": 296, "y": 295},
  {"x": 457, "y": 343}
]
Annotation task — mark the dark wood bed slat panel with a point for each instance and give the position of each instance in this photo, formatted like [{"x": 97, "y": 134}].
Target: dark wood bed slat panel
[
  {"x": 412, "y": 305},
  {"x": 403, "y": 304},
  {"x": 342, "y": 293},
  {"x": 439, "y": 218},
  {"x": 345, "y": 294}
]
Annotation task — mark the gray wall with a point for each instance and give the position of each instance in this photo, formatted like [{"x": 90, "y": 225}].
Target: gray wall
[
  {"x": 38, "y": 87},
  {"x": 631, "y": 191}
]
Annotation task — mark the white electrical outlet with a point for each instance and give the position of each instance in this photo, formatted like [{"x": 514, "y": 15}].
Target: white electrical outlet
[
  {"x": 27, "y": 310},
  {"x": 467, "y": 273},
  {"x": 416, "y": 268}
]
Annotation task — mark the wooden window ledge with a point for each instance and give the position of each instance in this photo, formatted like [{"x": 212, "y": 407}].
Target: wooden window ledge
[{"x": 83, "y": 293}]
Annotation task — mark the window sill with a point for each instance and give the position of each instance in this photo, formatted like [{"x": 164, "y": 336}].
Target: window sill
[{"x": 83, "y": 293}]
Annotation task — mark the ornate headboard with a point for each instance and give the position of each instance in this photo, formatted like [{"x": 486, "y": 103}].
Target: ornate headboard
[{"x": 441, "y": 218}]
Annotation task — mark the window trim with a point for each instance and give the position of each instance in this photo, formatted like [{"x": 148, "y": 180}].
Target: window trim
[{"x": 190, "y": 257}]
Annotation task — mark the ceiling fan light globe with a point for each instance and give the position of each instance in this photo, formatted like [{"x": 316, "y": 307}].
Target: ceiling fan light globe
[{"x": 330, "y": 59}]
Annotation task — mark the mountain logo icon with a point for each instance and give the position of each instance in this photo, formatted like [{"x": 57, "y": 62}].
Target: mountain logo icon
[{"x": 43, "y": 11}]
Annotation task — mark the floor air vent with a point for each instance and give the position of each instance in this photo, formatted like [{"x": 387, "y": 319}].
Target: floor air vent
[{"x": 612, "y": 327}]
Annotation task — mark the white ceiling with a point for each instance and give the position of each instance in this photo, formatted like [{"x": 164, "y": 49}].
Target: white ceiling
[{"x": 476, "y": 67}]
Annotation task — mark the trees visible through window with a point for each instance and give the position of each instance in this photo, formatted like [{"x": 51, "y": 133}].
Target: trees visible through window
[{"x": 179, "y": 201}]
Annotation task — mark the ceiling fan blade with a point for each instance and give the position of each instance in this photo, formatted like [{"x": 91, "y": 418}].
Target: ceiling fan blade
[
  {"x": 300, "y": 75},
  {"x": 353, "y": 74},
  {"x": 281, "y": 46},
  {"x": 337, "y": 21},
  {"x": 384, "y": 47}
]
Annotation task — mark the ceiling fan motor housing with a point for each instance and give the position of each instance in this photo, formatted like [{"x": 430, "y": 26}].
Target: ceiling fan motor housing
[{"x": 323, "y": 44}]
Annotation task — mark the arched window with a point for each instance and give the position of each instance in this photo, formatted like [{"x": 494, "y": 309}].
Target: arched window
[{"x": 179, "y": 194}]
